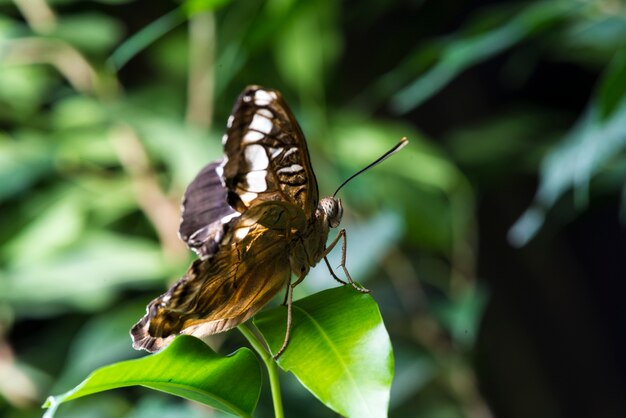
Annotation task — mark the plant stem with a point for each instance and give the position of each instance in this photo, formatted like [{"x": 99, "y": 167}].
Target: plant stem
[
  {"x": 201, "y": 83},
  {"x": 270, "y": 364}
]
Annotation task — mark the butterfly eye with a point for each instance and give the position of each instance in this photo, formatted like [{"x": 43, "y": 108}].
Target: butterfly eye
[
  {"x": 339, "y": 210},
  {"x": 333, "y": 210}
]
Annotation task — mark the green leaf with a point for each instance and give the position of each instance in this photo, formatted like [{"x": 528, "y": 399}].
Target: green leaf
[
  {"x": 22, "y": 163},
  {"x": 306, "y": 46},
  {"x": 145, "y": 37},
  {"x": 466, "y": 51},
  {"x": 109, "y": 329},
  {"x": 339, "y": 350},
  {"x": 187, "y": 368},
  {"x": 192, "y": 7},
  {"x": 91, "y": 32},
  {"x": 87, "y": 276},
  {"x": 362, "y": 254},
  {"x": 594, "y": 141}
]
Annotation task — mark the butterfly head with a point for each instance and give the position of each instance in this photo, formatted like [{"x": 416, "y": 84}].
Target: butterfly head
[{"x": 333, "y": 209}]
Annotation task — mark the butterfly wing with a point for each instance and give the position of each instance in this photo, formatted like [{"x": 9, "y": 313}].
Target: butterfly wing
[
  {"x": 239, "y": 216},
  {"x": 205, "y": 211},
  {"x": 266, "y": 154},
  {"x": 266, "y": 160},
  {"x": 220, "y": 292}
]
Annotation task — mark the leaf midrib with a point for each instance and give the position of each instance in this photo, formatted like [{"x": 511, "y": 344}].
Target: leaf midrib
[{"x": 330, "y": 343}]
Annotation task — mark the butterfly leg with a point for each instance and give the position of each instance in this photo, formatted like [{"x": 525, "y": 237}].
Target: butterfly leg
[
  {"x": 289, "y": 298},
  {"x": 332, "y": 273},
  {"x": 287, "y": 292},
  {"x": 342, "y": 235}
]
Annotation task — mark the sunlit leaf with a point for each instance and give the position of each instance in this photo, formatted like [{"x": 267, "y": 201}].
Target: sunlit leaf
[
  {"x": 339, "y": 350},
  {"x": 186, "y": 368}
]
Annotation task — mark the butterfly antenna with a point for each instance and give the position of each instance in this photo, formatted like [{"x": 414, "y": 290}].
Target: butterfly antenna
[{"x": 380, "y": 159}]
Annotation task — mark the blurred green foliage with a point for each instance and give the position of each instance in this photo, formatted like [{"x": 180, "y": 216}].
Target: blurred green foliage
[{"x": 108, "y": 109}]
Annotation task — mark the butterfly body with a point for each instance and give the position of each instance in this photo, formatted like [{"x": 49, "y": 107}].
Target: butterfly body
[{"x": 253, "y": 218}]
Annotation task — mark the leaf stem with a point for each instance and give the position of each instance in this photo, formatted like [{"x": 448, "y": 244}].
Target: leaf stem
[{"x": 248, "y": 331}]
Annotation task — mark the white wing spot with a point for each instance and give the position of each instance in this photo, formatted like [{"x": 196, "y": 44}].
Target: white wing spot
[
  {"x": 241, "y": 233},
  {"x": 274, "y": 152},
  {"x": 294, "y": 168},
  {"x": 256, "y": 158},
  {"x": 224, "y": 139},
  {"x": 247, "y": 197},
  {"x": 262, "y": 98},
  {"x": 261, "y": 124},
  {"x": 290, "y": 151},
  {"x": 252, "y": 136},
  {"x": 229, "y": 123},
  {"x": 255, "y": 181},
  {"x": 227, "y": 218},
  {"x": 265, "y": 112}
]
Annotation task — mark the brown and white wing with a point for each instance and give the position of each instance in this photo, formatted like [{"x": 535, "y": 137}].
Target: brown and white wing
[
  {"x": 222, "y": 291},
  {"x": 205, "y": 211},
  {"x": 266, "y": 154}
]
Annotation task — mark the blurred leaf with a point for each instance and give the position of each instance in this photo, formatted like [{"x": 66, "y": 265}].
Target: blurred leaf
[
  {"x": 368, "y": 243},
  {"x": 107, "y": 405},
  {"x": 110, "y": 330},
  {"x": 187, "y": 368},
  {"x": 413, "y": 370},
  {"x": 85, "y": 276},
  {"x": 462, "y": 313},
  {"x": 192, "y": 7},
  {"x": 598, "y": 136},
  {"x": 23, "y": 89},
  {"x": 308, "y": 44},
  {"x": 78, "y": 112},
  {"x": 89, "y": 32},
  {"x": 339, "y": 350},
  {"x": 593, "y": 38},
  {"x": 613, "y": 87},
  {"x": 58, "y": 225},
  {"x": 434, "y": 194},
  {"x": 183, "y": 149},
  {"x": 144, "y": 38},
  {"x": 161, "y": 407},
  {"x": 22, "y": 163},
  {"x": 465, "y": 51},
  {"x": 170, "y": 57},
  {"x": 359, "y": 141},
  {"x": 429, "y": 216},
  {"x": 513, "y": 141}
]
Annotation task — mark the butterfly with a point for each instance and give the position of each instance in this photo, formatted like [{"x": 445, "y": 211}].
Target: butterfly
[{"x": 253, "y": 218}]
